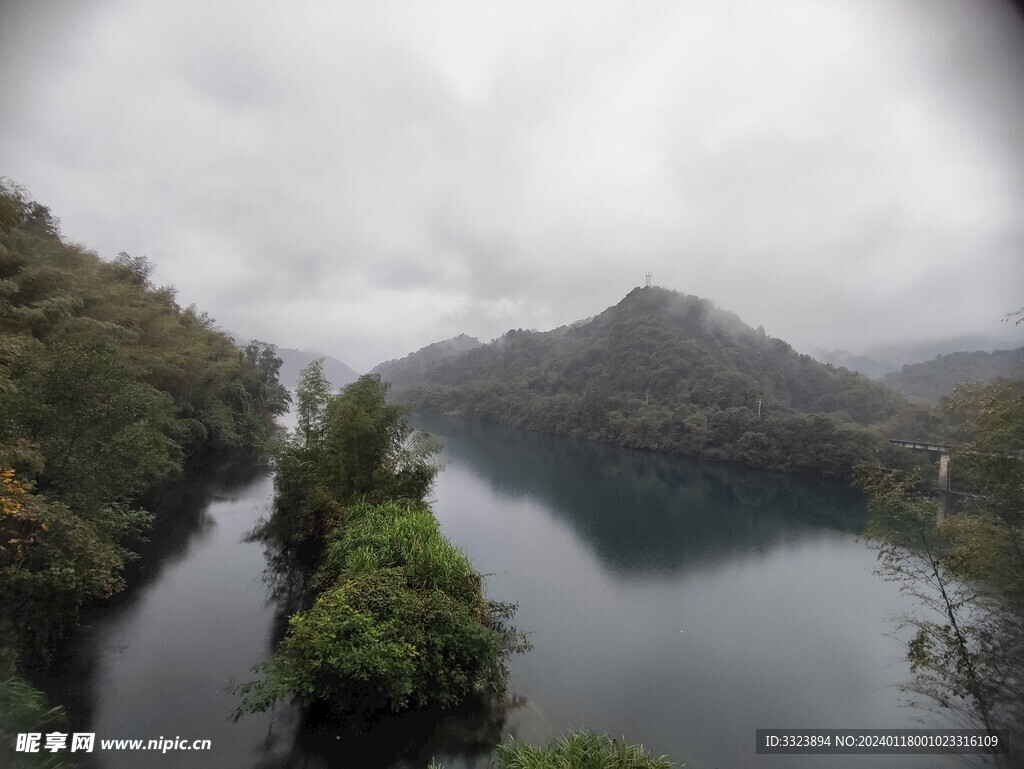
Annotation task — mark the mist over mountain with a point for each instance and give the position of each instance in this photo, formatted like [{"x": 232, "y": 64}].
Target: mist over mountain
[
  {"x": 293, "y": 361},
  {"x": 670, "y": 372},
  {"x": 863, "y": 364},
  {"x": 413, "y": 367},
  {"x": 932, "y": 380},
  {"x": 338, "y": 373}
]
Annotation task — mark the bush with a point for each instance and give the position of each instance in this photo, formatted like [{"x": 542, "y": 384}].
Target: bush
[
  {"x": 578, "y": 750},
  {"x": 400, "y": 621}
]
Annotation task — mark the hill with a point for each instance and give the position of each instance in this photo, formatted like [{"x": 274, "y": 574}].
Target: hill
[
  {"x": 931, "y": 380},
  {"x": 669, "y": 372},
  {"x": 864, "y": 364},
  {"x": 108, "y": 389},
  {"x": 413, "y": 367},
  {"x": 293, "y": 361}
]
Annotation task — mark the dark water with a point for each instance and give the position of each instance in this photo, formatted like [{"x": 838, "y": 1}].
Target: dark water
[{"x": 678, "y": 604}]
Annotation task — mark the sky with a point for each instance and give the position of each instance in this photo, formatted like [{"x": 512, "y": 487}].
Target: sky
[{"x": 365, "y": 178}]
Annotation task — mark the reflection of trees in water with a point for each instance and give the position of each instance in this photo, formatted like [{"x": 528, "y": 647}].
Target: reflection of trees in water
[
  {"x": 640, "y": 510},
  {"x": 180, "y": 506},
  {"x": 461, "y": 738},
  {"x": 181, "y": 509}
]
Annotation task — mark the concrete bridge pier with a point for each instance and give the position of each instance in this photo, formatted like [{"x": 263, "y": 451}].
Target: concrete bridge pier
[
  {"x": 945, "y": 468},
  {"x": 945, "y": 482}
]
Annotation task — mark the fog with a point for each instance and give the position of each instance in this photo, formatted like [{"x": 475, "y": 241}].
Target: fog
[{"x": 367, "y": 178}]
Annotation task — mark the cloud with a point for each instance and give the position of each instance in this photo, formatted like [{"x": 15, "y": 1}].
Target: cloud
[{"x": 367, "y": 178}]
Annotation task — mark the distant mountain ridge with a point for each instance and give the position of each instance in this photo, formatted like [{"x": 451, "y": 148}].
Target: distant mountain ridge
[
  {"x": 931, "y": 380},
  {"x": 338, "y": 373},
  {"x": 864, "y": 364},
  {"x": 885, "y": 359},
  {"x": 412, "y": 368},
  {"x": 293, "y": 361},
  {"x": 670, "y": 372}
]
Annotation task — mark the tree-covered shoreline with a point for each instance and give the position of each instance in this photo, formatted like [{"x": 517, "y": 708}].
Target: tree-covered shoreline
[
  {"x": 108, "y": 388},
  {"x": 671, "y": 373},
  {"x": 964, "y": 572}
]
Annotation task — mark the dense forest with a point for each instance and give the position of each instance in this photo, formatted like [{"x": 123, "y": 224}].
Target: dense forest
[
  {"x": 933, "y": 380},
  {"x": 107, "y": 388},
  {"x": 671, "y": 372},
  {"x": 414, "y": 366}
]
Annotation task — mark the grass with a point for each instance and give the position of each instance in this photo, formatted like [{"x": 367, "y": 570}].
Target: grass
[{"x": 577, "y": 750}]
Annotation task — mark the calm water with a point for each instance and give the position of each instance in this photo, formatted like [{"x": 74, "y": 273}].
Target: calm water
[{"x": 679, "y": 604}]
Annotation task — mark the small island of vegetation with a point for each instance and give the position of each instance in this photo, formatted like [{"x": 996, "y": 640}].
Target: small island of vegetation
[{"x": 398, "y": 617}]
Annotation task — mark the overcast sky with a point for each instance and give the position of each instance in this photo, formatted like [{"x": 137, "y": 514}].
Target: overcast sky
[{"x": 366, "y": 178}]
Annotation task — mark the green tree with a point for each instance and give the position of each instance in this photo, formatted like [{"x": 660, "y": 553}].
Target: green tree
[
  {"x": 966, "y": 571},
  {"x": 399, "y": 620},
  {"x": 370, "y": 451},
  {"x": 347, "y": 447},
  {"x": 398, "y": 617},
  {"x": 107, "y": 386}
]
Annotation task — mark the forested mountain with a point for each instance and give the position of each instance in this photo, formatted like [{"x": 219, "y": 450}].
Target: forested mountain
[
  {"x": 413, "y": 367},
  {"x": 669, "y": 372},
  {"x": 107, "y": 387},
  {"x": 931, "y": 380}
]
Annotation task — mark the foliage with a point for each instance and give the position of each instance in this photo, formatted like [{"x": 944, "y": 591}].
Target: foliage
[
  {"x": 53, "y": 562},
  {"x": 933, "y": 380},
  {"x": 581, "y": 750},
  {"x": 398, "y": 616},
  {"x": 107, "y": 387},
  {"x": 670, "y": 373},
  {"x": 577, "y": 750},
  {"x": 24, "y": 709},
  {"x": 965, "y": 571},
  {"x": 399, "y": 621},
  {"x": 349, "y": 446},
  {"x": 413, "y": 366}
]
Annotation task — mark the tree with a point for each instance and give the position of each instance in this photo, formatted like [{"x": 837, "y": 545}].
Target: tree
[
  {"x": 106, "y": 387},
  {"x": 350, "y": 446},
  {"x": 314, "y": 395},
  {"x": 371, "y": 451},
  {"x": 397, "y": 617},
  {"x": 399, "y": 620},
  {"x": 966, "y": 571}
]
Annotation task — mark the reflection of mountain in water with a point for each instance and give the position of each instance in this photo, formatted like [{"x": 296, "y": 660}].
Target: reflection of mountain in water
[{"x": 642, "y": 511}]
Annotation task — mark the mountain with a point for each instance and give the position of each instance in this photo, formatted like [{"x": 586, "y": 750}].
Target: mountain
[
  {"x": 900, "y": 354},
  {"x": 293, "y": 361},
  {"x": 412, "y": 368},
  {"x": 864, "y": 364},
  {"x": 933, "y": 379},
  {"x": 881, "y": 360},
  {"x": 670, "y": 372}
]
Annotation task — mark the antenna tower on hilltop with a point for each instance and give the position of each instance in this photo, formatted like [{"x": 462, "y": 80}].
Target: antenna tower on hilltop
[{"x": 647, "y": 281}]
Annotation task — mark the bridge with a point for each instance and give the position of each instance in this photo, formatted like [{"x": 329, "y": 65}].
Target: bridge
[
  {"x": 923, "y": 446},
  {"x": 944, "y": 453}
]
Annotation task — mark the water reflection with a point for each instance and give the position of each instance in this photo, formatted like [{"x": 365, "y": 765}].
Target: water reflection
[
  {"x": 643, "y": 511},
  {"x": 680, "y": 604}
]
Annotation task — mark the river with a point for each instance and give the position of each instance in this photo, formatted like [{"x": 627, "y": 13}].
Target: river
[{"x": 680, "y": 604}]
